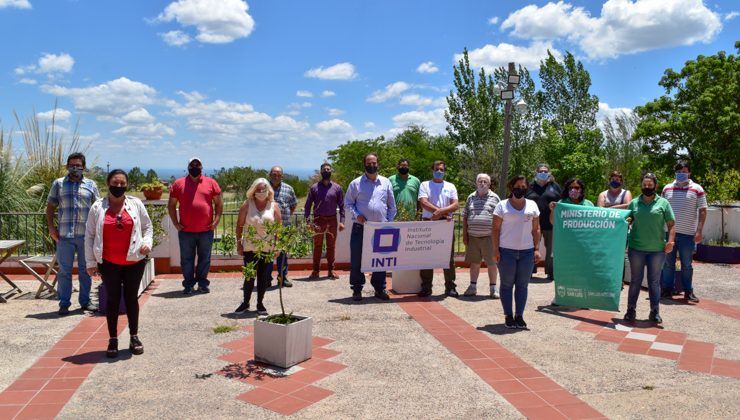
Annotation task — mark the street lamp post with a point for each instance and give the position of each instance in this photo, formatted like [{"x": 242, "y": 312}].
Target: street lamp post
[{"x": 507, "y": 95}]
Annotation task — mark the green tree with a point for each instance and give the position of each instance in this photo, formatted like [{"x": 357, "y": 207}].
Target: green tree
[
  {"x": 346, "y": 160},
  {"x": 623, "y": 152},
  {"x": 151, "y": 175},
  {"x": 135, "y": 178},
  {"x": 698, "y": 118}
]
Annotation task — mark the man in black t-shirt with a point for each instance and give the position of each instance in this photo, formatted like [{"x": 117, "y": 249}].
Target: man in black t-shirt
[{"x": 544, "y": 190}]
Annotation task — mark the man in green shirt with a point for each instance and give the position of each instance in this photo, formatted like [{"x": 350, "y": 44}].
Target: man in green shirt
[{"x": 406, "y": 191}]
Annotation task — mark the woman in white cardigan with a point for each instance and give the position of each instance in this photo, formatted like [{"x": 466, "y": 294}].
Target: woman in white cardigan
[{"x": 118, "y": 236}]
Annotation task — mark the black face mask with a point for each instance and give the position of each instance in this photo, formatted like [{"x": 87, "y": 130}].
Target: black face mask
[
  {"x": 117, "y": 191},
  {"x": 371, "y": 169},
  {"x": 648, "y": 192},
  {"x": 194, "y": 172},
  {"x": 518, "y": 192},
  {"x": 326, "y": 175},
  {"x": 403, "y": 170}
]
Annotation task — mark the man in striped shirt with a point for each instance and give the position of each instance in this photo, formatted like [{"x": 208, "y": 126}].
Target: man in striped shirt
[
  {"x": 689, "y": 203},
  {"x": 72, "y": 196},
  {"x": 477, "y": 226}
]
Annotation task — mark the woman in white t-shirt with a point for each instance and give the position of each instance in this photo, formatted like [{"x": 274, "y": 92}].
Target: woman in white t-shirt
[{"x": 516, "y": 233}]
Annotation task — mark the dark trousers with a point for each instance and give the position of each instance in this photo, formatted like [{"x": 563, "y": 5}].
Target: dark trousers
[
  {"x": 192, "y": 244},
  {"x": 356, "y": 277},
  {"x": 263, "y": 277},
  {"x": 129, "y": 276},
  {"x": 428, "y": 274},
  {"x": 324, "y": 225}
]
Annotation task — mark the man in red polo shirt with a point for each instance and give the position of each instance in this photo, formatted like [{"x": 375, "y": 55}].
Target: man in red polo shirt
[{"x": 197, "y": 195}]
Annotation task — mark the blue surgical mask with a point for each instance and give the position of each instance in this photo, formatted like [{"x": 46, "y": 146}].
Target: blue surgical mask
[
  {"x": 615, "y": 184},
  {"x": 439, "y": 174},
  {"x": 682, "y": 176},
  {"x": 542, "y": 176}
]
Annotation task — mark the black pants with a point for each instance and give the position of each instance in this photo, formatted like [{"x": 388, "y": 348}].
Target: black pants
[
  {"x": 427, "y": 274},
  {"x": 263, "y": 277},
  {"x": 129, "y": 276}
]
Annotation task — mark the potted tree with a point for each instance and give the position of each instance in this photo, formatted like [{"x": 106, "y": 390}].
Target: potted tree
[
  {"x": 723, "y": 188},
  {"x": 282, "y": 339},
  {"x": 152, "y": 190},
  {"x": 406, "y": 281}
]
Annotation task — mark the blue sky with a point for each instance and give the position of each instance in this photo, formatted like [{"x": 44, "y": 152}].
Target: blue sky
[{"x": 267, "y": 82}]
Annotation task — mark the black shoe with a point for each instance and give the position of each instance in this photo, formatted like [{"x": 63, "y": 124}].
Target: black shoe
[
  {"x": 382, "y": 295},
  {"x": 333, "y": 276},
  {"x": 519, "y": 321},
  {"x": 243, "y": 307},
  {"x": 314, "y": 275},
  {"x": 136, "y": 347},
  {"x": 655, "y": 317},
  {"x": 187, "y": 291},
  {"x": 357, "y": 296},
  {"x": 287, "y": 283},
  {"x": 89, "y": 307},
  {"x": 112, "y": 351},
  {"x": 452, "y": 292},
  {"x": 630, "y": 315},
  {"x": 424, "y": 293},
  {"x": 63, "y": 310},
  {"x": 691, "y": 297},
  {"x": 509, "y": 322},
  {"x": 666, "y": 294},
  {"x": 261, "y": 310},
  {"x": 204, "y": 289}
]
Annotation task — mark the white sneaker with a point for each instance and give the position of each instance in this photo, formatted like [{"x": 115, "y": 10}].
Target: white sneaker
[
  {"x": 471, "y": 290},
  {"x": 494, "y": 293}
]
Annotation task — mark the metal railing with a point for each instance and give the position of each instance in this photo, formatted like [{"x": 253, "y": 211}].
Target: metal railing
[{"x": 31, "y": 227}]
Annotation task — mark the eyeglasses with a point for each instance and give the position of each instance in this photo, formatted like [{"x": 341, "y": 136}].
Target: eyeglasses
[{"x": 119, "y": 222}]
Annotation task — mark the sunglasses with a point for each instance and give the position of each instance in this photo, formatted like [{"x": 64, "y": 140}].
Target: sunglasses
[{"x": 119, "y": 222}]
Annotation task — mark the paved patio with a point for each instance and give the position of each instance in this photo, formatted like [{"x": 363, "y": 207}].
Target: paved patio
[{"x": 404, "y": 358}]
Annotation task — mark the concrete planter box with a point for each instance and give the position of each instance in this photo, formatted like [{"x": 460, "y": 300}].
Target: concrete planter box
[
  {"x": 406, "y": 281},
  {"x": 283, "y": 345}
]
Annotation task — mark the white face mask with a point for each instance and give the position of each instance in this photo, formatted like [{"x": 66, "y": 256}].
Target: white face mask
[
  {"x": 483, "y": 188},
  {"x": 260, "y": 195}
]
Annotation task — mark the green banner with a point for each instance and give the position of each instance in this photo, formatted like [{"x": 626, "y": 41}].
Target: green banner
[{"x": 588, "y": 256}]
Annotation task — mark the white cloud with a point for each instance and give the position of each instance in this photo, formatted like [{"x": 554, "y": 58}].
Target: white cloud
[
  {"x": 416, "y": 100},
  {"x": 138, "y": 116},
  {"x": 624, "y": 26},
  {"x": 20, "y": 70},
  {"x": 52, "y": 63},
  {"x": 493, "y": 20},
  {"x": 328, "y": 93},
  {"x": 334, "y": 125},
  {"x": 605, "y": 111},
  {"x": 114, "y": 98},
  {"x": 59, "y": 114},
  {"x": 731, "y": 15},
  {"x": 369, "y": 124},
  {"x": 494, "y": 56},
  {"x": 27, "y": 81},
  {"x": 427, "y": 67},
  {"x": 175, "y": 38},
  {"x": 391, "y": 91},
  {"x": 433, "y": 120},
  {"x": 147, "y": 131},
  {"x": 304, "y": 94},
  {"x": 334, "y": 112},
  {"x": 18, "y": 4},
  {"x": 341, "y": 71},
  {"x": 217, "y": 21}
]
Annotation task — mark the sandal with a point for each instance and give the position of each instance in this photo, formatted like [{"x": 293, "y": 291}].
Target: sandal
[
  {"x": 112, "y": 351},
  {"x": 136, "y": 347}
]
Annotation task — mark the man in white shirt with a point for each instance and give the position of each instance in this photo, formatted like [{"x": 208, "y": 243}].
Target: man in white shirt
[{"x": 438, "y": 199}]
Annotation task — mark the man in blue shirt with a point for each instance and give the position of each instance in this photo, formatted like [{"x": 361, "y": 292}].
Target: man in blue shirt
[
  {"x": 369, "y": 198},
  {"x": 72, "y": 195}
]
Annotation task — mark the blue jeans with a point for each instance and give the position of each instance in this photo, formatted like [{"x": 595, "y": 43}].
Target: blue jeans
[
  {"x": 515, "y": 269},
  {"x": 192, "y": 244},
  {"x": 66, "y": 248},
  {"x": 685, "y": 248},
  {"x": 282, "y": 266},
  {"x": 356, "y": 277},
  {"x": 638, "y": 261}
]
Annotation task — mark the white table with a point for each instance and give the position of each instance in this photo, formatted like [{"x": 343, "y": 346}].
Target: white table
[{"x": 7, "y": 247}]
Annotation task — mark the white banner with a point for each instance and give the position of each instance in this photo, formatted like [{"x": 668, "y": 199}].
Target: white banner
[{"x": 406, "y": 245}]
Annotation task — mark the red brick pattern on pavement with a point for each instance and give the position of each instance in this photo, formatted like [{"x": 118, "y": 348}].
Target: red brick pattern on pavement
[
  {"x": 282, "y": 394},
  {"x": 646, "y": 339},
  {"x": 526, "y": 388},
  {"x": 43, "y": 390}
]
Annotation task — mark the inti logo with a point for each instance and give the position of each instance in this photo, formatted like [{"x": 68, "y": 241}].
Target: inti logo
[{"x": 386, "y": 241}]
